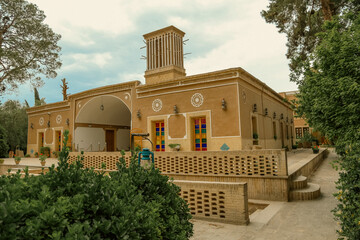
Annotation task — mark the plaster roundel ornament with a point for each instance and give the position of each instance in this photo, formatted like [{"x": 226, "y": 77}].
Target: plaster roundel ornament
[
  {"x": 197, "y": 99},
  {"x": 41, "y": 121},
  {"x": 58, "y": 119},
  {"x": 157, "y": 105}
]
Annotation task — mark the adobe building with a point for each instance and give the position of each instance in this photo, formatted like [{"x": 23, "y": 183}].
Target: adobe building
[
  {"x": 223, "y": 110},
  {"x": 300, "y": 124}
]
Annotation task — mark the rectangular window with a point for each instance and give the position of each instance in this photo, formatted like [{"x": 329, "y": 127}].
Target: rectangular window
[
  {"x": 298, "y": 132},
  {"x": 305, "y": 130},
  {"x": 159, "y": 136},
  {"x": 200, "y": 141}
]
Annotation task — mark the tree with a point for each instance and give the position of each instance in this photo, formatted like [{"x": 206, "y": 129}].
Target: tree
[
  {"x": 329, "y": 99},
  {"x": 329, "y": 96},
  {"x": 3, "y": 143},
  {"x": 14, "y": 120},
  {"x": 28, "y": 46},
  {"x": 301, "y": 20},
  {"x": 38, "y": 101}
]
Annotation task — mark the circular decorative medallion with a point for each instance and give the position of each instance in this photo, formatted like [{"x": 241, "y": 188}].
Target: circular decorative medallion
[
  {"x": 157, "y": 105},
  {"x": 41, "y": 121},
  {"x": 197, "y": 99},
  {"x": 58, "y": 119}
]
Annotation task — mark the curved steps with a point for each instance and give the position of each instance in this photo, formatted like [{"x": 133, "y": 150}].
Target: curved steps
[
  {"x": 311, "y": 192},
  {"x": 299, "y": 182}
]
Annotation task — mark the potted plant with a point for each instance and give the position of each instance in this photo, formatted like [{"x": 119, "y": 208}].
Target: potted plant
[
  {"x": 175, "y": 146},
  {"x": 17, "y": 159},
  {"x": 315, "y": 149},
  {"x": 36, "y": 154},
  {"x": 2, "y": 161},
  {"x": 42, "y": 159},
  {"x": 294, "y": 146}
]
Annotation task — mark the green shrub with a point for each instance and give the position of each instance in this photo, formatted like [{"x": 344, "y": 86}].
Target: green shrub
[
  {"x": 27, "y": 155},
  {"x": 348, "y": 195},
  {"x": 75, "y": 203}
]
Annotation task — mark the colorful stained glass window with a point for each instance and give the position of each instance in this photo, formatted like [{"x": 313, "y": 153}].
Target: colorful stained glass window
[
  {"x": 200, "y": 140},
  {"x": 159, "y": 136}
]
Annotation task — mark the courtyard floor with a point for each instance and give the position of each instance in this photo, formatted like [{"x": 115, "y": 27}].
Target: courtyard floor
[{"x": 305, "y": 220}]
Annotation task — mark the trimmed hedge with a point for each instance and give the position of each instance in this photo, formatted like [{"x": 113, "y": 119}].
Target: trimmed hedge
[{"x": 76, "y": 203}]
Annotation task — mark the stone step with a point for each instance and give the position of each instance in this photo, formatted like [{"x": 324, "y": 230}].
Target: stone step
[
  {"x": 299, "y": 182},
  {"x": 311, "y": 192}
]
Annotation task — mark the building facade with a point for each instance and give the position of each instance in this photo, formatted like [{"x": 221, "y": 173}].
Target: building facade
[{"x": 222, "y": 110}]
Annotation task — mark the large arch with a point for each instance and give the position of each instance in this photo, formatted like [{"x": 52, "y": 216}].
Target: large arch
[{"x": 103, "y": 124}]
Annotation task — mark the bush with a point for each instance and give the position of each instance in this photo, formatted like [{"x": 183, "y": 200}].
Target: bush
[
  {"x": 27, "y": 155},
  {"x": 347, "y": 210},
  {"x": 76, "y": 203}
]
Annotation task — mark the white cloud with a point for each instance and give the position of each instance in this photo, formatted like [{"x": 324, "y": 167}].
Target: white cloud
[{"x": 80, "y": 61}]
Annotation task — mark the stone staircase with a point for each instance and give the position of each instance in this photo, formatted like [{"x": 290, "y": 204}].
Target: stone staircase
[{"x": 300, "y": 189}]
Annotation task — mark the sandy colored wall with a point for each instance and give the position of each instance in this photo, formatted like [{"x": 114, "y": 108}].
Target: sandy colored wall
[
  {"x": 213, "y": 201},
  {"x": 222, "y": 125},
  {"x": 57, "y": 116},
  {"x": 123, "y": 139},
  {"x": 251, "y": 94},
  {"x": 88, "y": 139}
]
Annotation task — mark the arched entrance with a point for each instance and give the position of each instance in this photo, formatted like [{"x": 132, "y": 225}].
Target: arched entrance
[{"x": 103, "y": 124}]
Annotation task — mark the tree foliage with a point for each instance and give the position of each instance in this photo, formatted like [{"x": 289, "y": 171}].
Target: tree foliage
[
  {"x": 37, "y": 100},
  {"x": 70, "y": 202},
  {"x": 4, "y": 147},
  {"x": 329, "y": 99},
  {"x": 301, "y": 20},
  {"x": 330, "y": 94},
  {"x": 28, "y": 46},
  {"x": 14, "y": 120}
]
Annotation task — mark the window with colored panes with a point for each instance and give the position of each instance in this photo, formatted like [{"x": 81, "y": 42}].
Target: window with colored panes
[
  {"x": 200, "y": 142},
  {"x": 159, "y": 136}
]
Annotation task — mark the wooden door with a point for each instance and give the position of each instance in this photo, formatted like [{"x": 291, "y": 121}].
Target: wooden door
[{"x": 110, "y": 140}]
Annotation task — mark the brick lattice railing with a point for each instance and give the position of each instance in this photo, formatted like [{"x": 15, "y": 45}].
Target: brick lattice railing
[{"x": 221, "y": 163}]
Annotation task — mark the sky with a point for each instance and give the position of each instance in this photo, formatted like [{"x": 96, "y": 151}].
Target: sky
[{"x": 102, "y": 40}]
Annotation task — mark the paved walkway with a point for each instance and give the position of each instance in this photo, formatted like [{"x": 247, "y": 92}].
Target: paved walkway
[
  {"x": 303, "y": 220},
  {"x": 31, "y": 162}
]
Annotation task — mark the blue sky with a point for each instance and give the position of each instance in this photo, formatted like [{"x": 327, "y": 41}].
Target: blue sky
[{"x": 101, "y": 41}]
